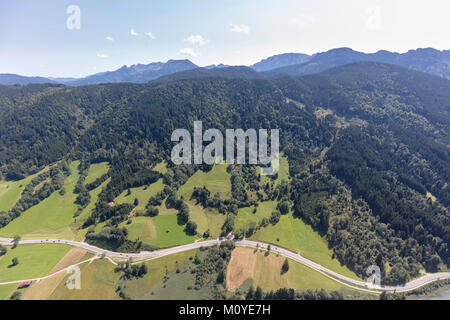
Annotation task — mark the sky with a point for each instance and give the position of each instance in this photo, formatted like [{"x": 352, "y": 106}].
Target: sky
[{"x": 74, "y": 38}]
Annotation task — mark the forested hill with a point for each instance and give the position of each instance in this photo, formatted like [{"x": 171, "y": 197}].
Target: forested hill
[
  {"x": 377, "y": 130},
  {"x": 412, "y": 107},
  {"x": 234, "y": 72}
]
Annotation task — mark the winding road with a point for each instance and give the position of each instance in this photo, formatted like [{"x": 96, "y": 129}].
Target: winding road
[{"x": 147, "y": 255}]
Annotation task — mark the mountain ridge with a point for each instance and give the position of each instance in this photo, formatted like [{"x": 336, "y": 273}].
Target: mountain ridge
[
  {"x": 280, "y": 60},
  {"x": 427, "y": 60}
]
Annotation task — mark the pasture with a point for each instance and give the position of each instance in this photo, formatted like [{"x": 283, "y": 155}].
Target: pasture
[
  {"x": 217, "y": 180},
  {"x": 246, "y": 215},
  {"x": 35, "y": 260},
  {"x": 265, "y": 270},
  {"x": 293, "y": 234},
  {"x": 142, "y": 193},
  {"x": 52, "y": 217}
]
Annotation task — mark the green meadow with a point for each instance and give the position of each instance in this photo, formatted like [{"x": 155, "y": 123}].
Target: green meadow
[
  {"x": 94, "y": 197},
  {"x": 217, "y": 180},
  {"x": 169, "y": 233},
  {"x": 6, "y": 290},
  {"x": 149, "y": 287},
  {"x": 96, "y": 170},
  {"x": 161, "y": 167},
  {"x": 98, "y": 282},
  {"x": 10, "y": 191},
  {"x": 164, "y": 211},
  {"x": 143, "y": 194},
  {"x": 52, "y": 217},
  {"x": 88, "y": 210},
  {"x": 35, "y": 260},
  {"x": 292, "y": 233},
  {"x": 283, "y": 173},
  {"x": 302, "y": 277},
  {"x": 160, "y": 231},
  {"x": 267, "y": 274},
  {"x": 246, "y": 216},
  {"x": 206, "y": 219},
  {"x": 141, "y": 228}
]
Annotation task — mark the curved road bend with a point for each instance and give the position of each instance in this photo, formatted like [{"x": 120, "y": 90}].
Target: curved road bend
[{"x": 414, "y": 284}]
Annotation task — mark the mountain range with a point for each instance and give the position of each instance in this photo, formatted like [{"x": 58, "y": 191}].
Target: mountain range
[
  {"x": 427, "y": 60},
  {"x": 138, "y": 73}
]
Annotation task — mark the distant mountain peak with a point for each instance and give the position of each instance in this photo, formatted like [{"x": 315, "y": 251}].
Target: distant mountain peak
[
  {"x": 213, "y": 66},
  {"x": 137, "y": 73},
  {"x": 280, "y": 60}
]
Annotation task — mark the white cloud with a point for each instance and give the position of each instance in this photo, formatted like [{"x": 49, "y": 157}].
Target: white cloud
[
  {"x": 187, "y": 52},
  {"x": 196, "y": 39},
  {"x": 240, "y": 28},
  {"x": 150, "y": 35},
  {"x": 109, "y": 38},
  {"x": 133, "y": 33},
  {"x": 303, "y": 20},
  {"x": 102, "y": 55},
  {"x": 374, "y": 20}
]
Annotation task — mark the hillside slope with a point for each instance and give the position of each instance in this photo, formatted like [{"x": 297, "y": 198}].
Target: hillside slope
[{"x": 367, "y": 145}]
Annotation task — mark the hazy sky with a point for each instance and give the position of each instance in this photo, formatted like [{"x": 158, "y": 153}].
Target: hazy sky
[{"x": 35, "y": 38}]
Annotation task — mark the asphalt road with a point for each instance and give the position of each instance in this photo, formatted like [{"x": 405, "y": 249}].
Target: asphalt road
[{"x": 146, "y": 255}]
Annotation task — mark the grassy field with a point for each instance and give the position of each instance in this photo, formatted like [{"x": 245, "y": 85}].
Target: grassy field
[
  {"x": 142, "y": 193},
  {"x": 206, "y": 219},
  {"x": 174, "y": 237},
  {"x": 10, "y": 191},
  {"x": 142, "y": 228},
  {"x": 154, "y": 230},
  {"x": 7, "y": 290},
  {"x": 35, "y": 260},
  {"x": 245, "y": 215},
  {"x": 99, "y": 226},
  {"x": 164, "y": 211},
  {"x": 179, "y": 286},
  {"x": 265, "y": 270},
  {"x": 96, "y": 170},
  {"x": 98, "y": 281},
  {"x": 94, "y": 197},
  {"x": 44, "y": 288},
  {"x": 152, "y": 282},
  {"x": 292, "y": 233},
  {"x": 217, "y": 180},
  {"x": 161, "y": 167},
  {"x": 52, "y": 217},
  {"x": 283, "y": 172}
]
